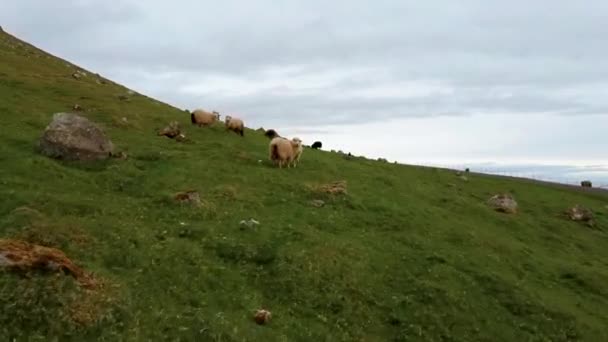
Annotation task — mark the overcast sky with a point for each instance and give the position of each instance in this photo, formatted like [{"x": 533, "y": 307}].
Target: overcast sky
[{"x": 415, "y": 81}]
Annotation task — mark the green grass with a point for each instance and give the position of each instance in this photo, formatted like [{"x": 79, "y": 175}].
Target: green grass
[{"x": 410, "y": 254}]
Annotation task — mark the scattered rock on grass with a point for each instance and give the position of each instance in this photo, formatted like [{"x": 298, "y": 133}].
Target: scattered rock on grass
[
  {"x": 120, "y": 155},
  {"x": 77, "y": 108},
  {"x": 262, "y": 317},
  {"x": 23, "y": 256},
  {"x": 251, "y": 223},
  {"x": 188, "y": 197},
  {"x": 73, "y": 137},
  {"x": 317, "y": 203},
  {"x": 504, "y": 203},
  {"x": 580, "y": 214},
  {"x": 171, "y": 131}
]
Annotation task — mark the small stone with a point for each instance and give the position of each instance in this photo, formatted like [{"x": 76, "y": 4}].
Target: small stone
[
  {"x": 171, "y": 131},
  {"x": 262, "y": 317},
  {"x": 250, "y": 224},
  {"x": 181, "y": 138},
  {"x": 120, "y": 155},
  {"x": 189, "y": 197},
  {"x": 77, "y": 108},
  {"x": 76, "y": 76},
  {"x": 185, "y": 233},
  {"x": 464, "y": 178},
  {"x": 317, "y": 203}
]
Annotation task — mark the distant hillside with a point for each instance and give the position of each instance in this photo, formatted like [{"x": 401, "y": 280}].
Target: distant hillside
[{"x": 406, "y": 254}]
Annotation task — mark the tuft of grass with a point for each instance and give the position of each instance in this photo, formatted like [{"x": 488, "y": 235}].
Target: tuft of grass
[{"x": 406, "y": 254}]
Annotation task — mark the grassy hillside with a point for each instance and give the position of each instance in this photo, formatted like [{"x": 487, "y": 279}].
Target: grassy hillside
[{"x": 409, "y": 254}]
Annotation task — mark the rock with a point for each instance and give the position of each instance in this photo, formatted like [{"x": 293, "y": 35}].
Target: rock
[
  {"x": 504, "y": 203},
  {"x": 23, "y": 256},
  {"x": 580, "y": 214},
  {"x": 181, "y": 138},
  {"x": 188, "y": 197},
  {"x": 73, "y": 137},
  {"x": 317, "y": 203},
  {"x": 123, "y": 97},
  {"x": 130, "y": 92},
  {"x": 586, "y": 184},
  {"x": 464, "y": 178},
  {"x": 251, "y": 223},
  {"x": 171, "y": 131},
  {"x": 262, "y": 317},
  {"x": 77, "y": 108},
  {"x": 120, "y": 155},
  {"x": 76, "y": 76}
]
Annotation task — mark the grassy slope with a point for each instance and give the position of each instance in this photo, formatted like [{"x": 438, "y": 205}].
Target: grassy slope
[{"x": 410, "y": 254}]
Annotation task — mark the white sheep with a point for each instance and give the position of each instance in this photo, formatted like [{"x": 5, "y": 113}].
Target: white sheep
[
  {"x": 298, "y": 149},
  {"x": 235, "y": 125},
  {"x": 283, "y": 151}
]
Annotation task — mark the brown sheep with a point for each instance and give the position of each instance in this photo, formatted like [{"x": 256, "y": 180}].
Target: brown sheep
[
  {"x": 283, "y": 151},
  {"x": 235, "y": 125},
  {"x": 203, "y": 118}
]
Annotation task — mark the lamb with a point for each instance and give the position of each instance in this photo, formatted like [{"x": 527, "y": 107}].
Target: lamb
[
  {"x": 298, "y": 149},
  {"x": 317, "y": 145},
  {"x": 235, "y": 125},
  {"x": 203, "y": 118},
  {"x": 284, "y": 151},
  {"x": 271, "y": 134}
]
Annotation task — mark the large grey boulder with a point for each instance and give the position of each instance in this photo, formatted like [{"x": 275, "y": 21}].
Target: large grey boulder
[{"x": 73, "y": 137}]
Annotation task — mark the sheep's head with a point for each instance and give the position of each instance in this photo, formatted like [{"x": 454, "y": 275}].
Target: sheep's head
[
  {"x": 228, "y": 118},
  {"x": 217, "y": 115},
  {"x": 296, "y": 142}
]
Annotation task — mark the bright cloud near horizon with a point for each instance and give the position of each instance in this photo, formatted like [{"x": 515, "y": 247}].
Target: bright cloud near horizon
[{"x": 413, "y": 81}]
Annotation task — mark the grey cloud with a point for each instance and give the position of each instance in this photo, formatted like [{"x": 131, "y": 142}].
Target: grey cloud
[{"x": 515, "y": 56}]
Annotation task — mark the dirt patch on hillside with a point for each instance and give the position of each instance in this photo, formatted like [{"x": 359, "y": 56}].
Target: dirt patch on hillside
[
  {"x": 333, "y": 188},
  {"x": 23, "y": 257}
]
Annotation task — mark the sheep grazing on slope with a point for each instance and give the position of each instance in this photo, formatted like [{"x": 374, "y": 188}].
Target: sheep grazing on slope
[
  {"x": 235, "y": 125},
  {"x": 283, "y": 151},
  {"x": 298, "y": 149},
  {"x": 203, "y": 118},
  {"x": 271, "y": 134},
  {"x": 317, "y": 145}
]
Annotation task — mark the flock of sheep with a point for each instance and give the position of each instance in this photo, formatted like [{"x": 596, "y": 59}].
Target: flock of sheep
[{"x": 282, "y": 151}]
